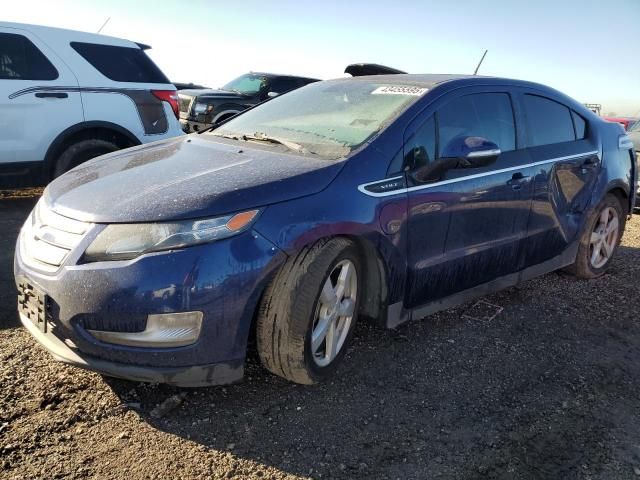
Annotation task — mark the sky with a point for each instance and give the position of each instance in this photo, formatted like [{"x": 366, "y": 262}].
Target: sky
[{"x": 588, "y": 49}]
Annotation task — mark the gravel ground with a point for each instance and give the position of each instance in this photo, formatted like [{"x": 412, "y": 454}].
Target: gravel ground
[{"x": 549, "y": 388}]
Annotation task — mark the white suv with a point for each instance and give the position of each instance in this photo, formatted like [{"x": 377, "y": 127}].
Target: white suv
[{"x": 68, "y": 96}]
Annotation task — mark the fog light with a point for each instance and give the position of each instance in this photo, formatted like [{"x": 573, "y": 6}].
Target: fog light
[{"x": 162, "y": 330}]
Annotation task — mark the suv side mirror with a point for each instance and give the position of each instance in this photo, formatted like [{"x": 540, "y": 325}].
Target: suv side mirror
[
  {"x": 272, "y": 94},
  {"x": 471, "y": 152}
]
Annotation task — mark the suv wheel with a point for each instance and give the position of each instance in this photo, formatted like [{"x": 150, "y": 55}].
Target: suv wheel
[
  {"x": 600, "y": 239},
  {"x": 309, "y": 311},
  {"x": 81, "y": 152}
]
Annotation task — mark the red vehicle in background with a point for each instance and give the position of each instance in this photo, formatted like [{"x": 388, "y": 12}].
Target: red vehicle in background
[{"x": 626, "y": 122}]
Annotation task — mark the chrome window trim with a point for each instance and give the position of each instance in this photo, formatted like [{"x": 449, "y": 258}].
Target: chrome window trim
[{"x": 362, "y": 187}]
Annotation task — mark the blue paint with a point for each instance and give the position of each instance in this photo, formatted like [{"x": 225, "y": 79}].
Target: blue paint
[{"x": 433, "y": 240}]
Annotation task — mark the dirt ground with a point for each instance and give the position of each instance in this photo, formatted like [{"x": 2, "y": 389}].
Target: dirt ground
[{"x": 549, "y": 388}]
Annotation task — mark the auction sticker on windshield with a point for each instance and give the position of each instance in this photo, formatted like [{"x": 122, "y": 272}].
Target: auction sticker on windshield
[{"x": 399, "y": 90}]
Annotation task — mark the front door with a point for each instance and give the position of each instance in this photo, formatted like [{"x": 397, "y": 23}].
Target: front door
[{"x": 465, "y": 224}]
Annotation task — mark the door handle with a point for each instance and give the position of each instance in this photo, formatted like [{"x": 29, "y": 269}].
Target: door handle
[
  {"x": 590, "y": 161},
  {"x": 516, "y": 180},
  {"x": 589, "y": 164},
  {"x": 52, "y": 95}
]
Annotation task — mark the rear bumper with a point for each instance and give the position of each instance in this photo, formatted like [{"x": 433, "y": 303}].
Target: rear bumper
[
  {"x": 192, "y": 376},
  {"x": 189, "y": 126},
  {"x": 22, "y": 174}
]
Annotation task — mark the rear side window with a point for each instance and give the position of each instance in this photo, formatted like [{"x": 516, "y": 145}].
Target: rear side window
[
  {"x": 487, "y": 115},
  {"x": 549, "y": 121},
  {"x": 20, "y": 59},
  {"x": 121, "y": 64},
  {"x": 580, "y": 125}
]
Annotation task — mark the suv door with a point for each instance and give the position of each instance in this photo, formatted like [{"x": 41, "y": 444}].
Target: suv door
[
  {"x": 567, "y": 160},
  {"x": 39, "y": 99},
  {"x": 465, "y": 224}
]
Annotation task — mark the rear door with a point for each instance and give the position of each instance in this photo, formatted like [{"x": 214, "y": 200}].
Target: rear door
[
  {"x": 39, "y": 97},
  {"x": 566, "y": 162},
  {"x": 466, "y": 225}
]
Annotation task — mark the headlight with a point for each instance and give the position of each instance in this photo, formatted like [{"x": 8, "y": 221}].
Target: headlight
[
  {"x": 201, "y": 108},
  {"x": 127, "y": 241}
]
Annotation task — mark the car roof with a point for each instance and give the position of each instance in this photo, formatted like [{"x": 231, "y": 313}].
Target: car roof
[
  {"x": 430, "y": 80},
  {"x": 48, "y": 33}
]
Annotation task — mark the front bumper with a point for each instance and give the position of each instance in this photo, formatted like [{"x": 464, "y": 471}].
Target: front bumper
[
  {"x": 223, "y": 280},
  {"x": 189, "y": 126},
  {"x": 194, "y": 376}
]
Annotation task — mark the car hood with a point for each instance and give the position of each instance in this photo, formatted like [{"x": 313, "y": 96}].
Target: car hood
[
  {"x": 210, "y": 92},
  {"x": 186, "y": 177}
]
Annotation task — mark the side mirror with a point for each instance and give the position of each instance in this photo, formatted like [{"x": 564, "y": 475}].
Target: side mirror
[
  {"x": 471, "y": 152},
  {"x": 272, "y": 94}
]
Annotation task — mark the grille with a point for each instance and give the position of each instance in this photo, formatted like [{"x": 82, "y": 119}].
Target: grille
[
  {"x": 185, "y": 104},
  {"x": 47, "y": 238}
]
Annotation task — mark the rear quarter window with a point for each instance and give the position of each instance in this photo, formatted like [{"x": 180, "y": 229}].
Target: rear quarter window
[
  {"x": 580, "y": 126},
  {"x": 549, "y": 122},
  {"x": 20, "y": 59},
  {"x": 121, "y": 64}
]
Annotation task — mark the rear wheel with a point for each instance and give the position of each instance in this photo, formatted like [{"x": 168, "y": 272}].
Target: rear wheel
[
  {"x": 309, "y": 311},
  {"x": 600, "y": 239},
  {"x": 81, "y": 152}
]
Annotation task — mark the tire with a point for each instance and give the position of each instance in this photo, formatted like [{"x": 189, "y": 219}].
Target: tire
[
  {"x": 588, "y": 265},
  {"x": 295, "y": 306},
  {"x": 81, "y": 152}
]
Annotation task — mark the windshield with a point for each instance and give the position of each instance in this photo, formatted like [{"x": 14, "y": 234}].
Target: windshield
[
  {"x": 248, "y": 84},
  {"x": 635, "y": 127},
  {"x": 329, "y": 119}
]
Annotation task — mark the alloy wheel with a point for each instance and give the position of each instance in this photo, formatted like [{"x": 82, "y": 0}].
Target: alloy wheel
[
  {"x": 604, "y": 237},
  {"x": 334, "y": 313}
]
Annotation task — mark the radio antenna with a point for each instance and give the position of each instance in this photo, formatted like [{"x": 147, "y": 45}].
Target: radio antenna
[
  {"x": 480, "y": 63},
  {"x": 104, "y": 24}
]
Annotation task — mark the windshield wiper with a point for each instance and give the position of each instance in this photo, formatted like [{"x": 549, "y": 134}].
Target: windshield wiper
[{"x": 262, "y": 137}]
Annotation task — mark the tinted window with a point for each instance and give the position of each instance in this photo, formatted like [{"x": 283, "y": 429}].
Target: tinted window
[
  {"x": 580, "y": 125},
  {"x": 549, "y": 121},
  {"x": 284, "y": 84},
  {"x": 421, "y": 149},
  {"x": 487, "y": 115},
  {"x": 21, "y": 60},
  {"x": 121, "y": 64}
]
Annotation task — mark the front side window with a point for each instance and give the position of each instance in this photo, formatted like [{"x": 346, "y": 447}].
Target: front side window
[
  {"x": 549, "y": 122},
  {"x": 20, "y": 59},
  {"x": 486, "y": 115},
  {"x": 250, "y": 84},
  {"x": 329, "y": 119},
  {"x": 121, "y": 64}
]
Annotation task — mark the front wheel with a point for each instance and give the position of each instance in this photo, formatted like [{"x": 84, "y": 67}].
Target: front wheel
[
  {"x": 309, "y": 311},
  {"x": 80, "y": 152},
  {"x": 600, "y": 239}
]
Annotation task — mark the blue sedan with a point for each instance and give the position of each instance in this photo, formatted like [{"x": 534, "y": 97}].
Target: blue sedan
[{"x": 383, "y": 198}]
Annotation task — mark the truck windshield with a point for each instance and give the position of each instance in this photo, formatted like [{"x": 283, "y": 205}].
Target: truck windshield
[
  {"x": 248, "y": 84},
  {"x": 329, "y": 119}
]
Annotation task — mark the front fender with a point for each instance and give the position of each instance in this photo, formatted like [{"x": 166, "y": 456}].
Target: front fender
[{"x": 296, "y": 224}]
